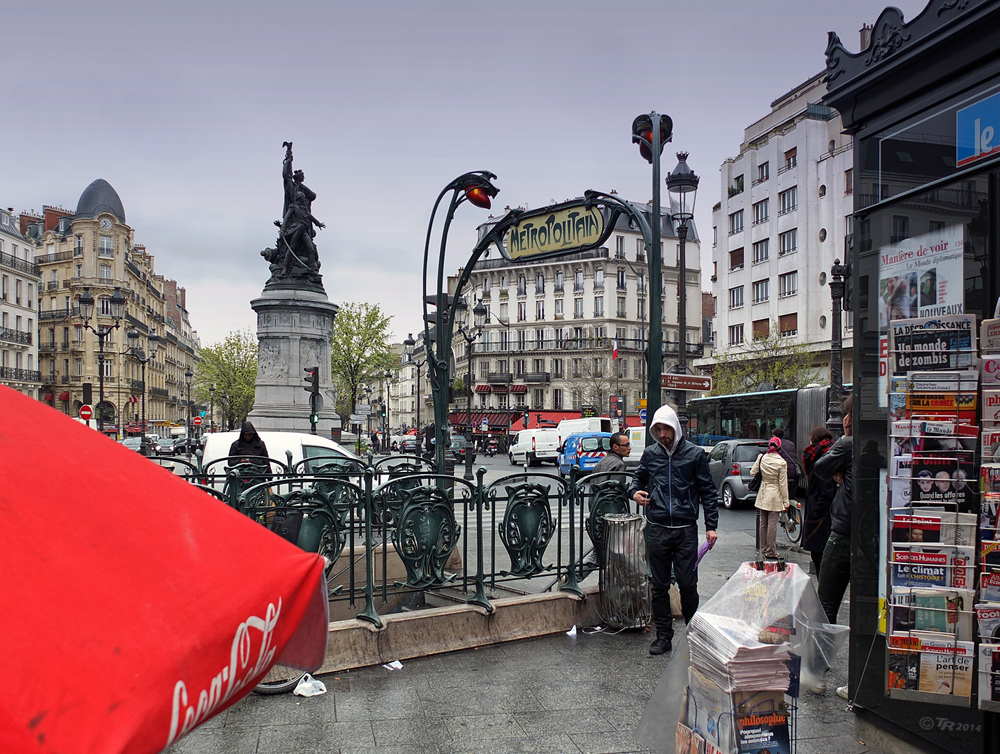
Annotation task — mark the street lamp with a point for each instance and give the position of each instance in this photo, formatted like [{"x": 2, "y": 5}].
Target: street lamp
[
  {"x": 188, "y": 374},
  {"x": 651, "y": 132},
  {"x": 835, "y": 422},
  {"x": 683, "y": 183},
  {"x": 211, "y": 410},
  {"x": 102, "y": 332},
  {"x": 385, "y": 430},
  {"x": 408, "y": 349},
  {"x": 470, "y": 335},
  {"x": 140, "y": 356}
]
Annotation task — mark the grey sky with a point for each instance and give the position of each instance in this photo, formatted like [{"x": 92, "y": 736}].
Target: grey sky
[{"x": 183, "y": 108}]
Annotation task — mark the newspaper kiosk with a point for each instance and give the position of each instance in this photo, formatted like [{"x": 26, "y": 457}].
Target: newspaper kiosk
[{"x": 922, "y": 101}]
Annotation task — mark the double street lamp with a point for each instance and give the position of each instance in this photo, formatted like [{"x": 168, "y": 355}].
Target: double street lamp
[
  {"x": 117, "y": 312},
  {"x": 188, "y": 374},
  {"x": 137, "y": 353},
  {"x": 470, "y": 335}
]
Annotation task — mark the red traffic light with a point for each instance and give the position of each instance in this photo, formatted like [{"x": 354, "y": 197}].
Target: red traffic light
[{"x": 642, "y": 133}]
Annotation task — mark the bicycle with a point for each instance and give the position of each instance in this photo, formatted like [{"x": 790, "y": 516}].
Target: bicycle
[{"x": 790, "y": 521}]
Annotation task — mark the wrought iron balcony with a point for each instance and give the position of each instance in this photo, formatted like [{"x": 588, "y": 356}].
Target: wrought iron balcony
[
  {"x": 15, "y": 336},
  {"x": 19, "y": 265},
  {"x": 500, "y": 378},
  {"x": 535, "y": 377},
  {"x": 21, "y": 375}
]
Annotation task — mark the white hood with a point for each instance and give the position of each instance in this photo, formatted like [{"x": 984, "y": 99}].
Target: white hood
[{"x": 666, "y": 415}]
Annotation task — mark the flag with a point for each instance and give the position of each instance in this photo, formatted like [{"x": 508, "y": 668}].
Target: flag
[{"x": 614, "y": 353}]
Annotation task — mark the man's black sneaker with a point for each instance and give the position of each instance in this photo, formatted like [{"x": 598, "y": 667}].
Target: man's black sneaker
[{"x": 660, "y": 645}]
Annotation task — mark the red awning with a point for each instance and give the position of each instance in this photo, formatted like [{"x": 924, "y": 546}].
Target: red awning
[
  {"x": 482, "y": 388},
  {"x": 171, "y": 622},
  {"x": 499, "y": 388},
  {"x": 64, "y": 397},
  {"x": 49, "y": 397},
  {"x": 519, "y": 388}
]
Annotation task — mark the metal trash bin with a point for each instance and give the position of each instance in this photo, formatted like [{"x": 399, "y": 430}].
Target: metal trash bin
[{"x": 624, "y": 576}]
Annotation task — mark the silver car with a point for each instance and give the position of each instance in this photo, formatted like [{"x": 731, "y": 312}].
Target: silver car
[{"x": 730, "y": 462}]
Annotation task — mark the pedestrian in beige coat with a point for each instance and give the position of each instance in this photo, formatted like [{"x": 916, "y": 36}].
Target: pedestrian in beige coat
[{"x": 772, "y": 498}]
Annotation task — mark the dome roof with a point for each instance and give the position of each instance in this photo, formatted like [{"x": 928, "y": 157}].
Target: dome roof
[{"x": 99, "y": 197}]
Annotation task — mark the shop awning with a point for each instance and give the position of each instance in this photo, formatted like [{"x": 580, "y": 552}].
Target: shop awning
[
  {"x": 49, "y": 397},
  {"x": 519, "y": 388},
  {"x": 64, "y": 397},
  {"x": 499, "y": 388},
  {"x": 482, "y": 388}
]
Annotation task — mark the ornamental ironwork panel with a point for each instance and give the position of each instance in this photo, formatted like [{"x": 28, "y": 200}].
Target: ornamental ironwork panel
[
  {"x": 425, "y": 535},
  {"x": 527, "y": 528}
]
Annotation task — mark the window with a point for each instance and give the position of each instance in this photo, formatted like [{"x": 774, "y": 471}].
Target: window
[
  {"x": 577, "y": 308},
  {"x": 559, "y": 308},
  {"x": 557, "y": 401},
  {"x": 539, "y": 364},
  {"x": 576, "y": 368},
  {"x": 900, "y": 228},
  {"x": 640, "y": 282},
  {"x": 736, "y": 259},
  {"x": 788, "y": 284},
  {"x": 788, "y": 200},
  {"x": 788, "y": 242},
  {"x": 519, "y": 369},
  {"x": 788, "y": 324},
  {"x": 503, "y": 284},
  {"x": 934, "y": 226},
  {"x": 640, "y": 308},
  {"x": 619, "y": 247},
  {"x": 621, "y": 279},
  {"x": 715, "y": 235},
  {"x": 578, "y": 281},
  {"x": 763, "y": 172},
  {"x": 539, "y": 311},
  {"x": 621, "y": 312},
  {"x": 598, "y": 367},
  {"x": 737, "y": 187},
  {"x": 599, "y": 279},
  {"x": 486, "y": 286},
  {"x": 559, "y": 337},
  {"x": 760, "y": 212},
  {"x": 105, "y": 247},
  {"x": 558, "y": 287},
  {"x": 17, "y": 290},
  {"x": 736, "y": 222},
  {"x": 557, "y": 364},
  {"x": 760, "y": 251},
  {"x": 598, "y": 306},
  {"x": 504, "y": 342},
  {"x": 761, "y": 329},
  {"x": 791, "y": 159},
  {"x": 105, "y": 272},
  {"x": 735, "y": 335},
  {"x": 848, "y": 181},
  {"x": 522, "y": 311},
  {"x": 736, "y": 297},
  {"x": 640, "y": 250},
  {"x": 503, "y": 313},
  {"x": 539, "y": 283},
  {"x": 760, "y": 290},
  {"x": 78, "y": 246},
  {"x": 522, "y": 286}
]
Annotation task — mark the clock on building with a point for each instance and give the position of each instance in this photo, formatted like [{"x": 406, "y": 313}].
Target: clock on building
[{"x": 105, "y": 223}]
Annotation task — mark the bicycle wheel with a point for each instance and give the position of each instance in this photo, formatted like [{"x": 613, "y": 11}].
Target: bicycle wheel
[
  {"x": 279, "y": 680},
  {"x": 793, "y": 525}
]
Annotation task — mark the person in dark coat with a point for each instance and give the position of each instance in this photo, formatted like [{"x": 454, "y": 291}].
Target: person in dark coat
[
  {"x": 819, "y": 496},
  {"x": 248, "y": 444},
  {"x": 790, "y": 454}
]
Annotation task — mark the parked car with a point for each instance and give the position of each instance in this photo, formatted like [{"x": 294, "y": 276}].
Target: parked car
[
  {"x": 132, "y": 443},
  {"x": 730, "y": 462},
  {"x": 582, "y": 451},
  {"x": 460, "y": 447},
  {"x": 408, "y": 444},
  {"x": 532, "y": 446},
  {"x": 164, "y": 446}
]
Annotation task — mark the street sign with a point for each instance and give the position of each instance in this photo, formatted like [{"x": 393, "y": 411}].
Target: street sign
[
  {"x": 642, "y": 414},
  {"x": 363, "y": 408},
  {"x": 486, "y": 425},
  {"x": 86, "y": 412},
  {"x": 196, "y": 421},
  {"x": 641, "y": 403},
  {"x": 686, "y": 382},
  {"x": 357, "y": 418}
]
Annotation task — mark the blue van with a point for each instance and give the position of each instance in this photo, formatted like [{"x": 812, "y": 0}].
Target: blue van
[{"x": 583, "y": 450}]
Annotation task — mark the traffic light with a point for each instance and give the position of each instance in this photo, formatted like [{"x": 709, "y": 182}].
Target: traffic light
[
  {"x": 312, "y": 387},
  {"x": 312, "y": 380},
  {"x": 642, "y": 134},
  {"x": 527, "y": 418}
]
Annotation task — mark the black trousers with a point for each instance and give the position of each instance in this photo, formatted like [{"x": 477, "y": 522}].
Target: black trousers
[{"x": 673, "y": 549}]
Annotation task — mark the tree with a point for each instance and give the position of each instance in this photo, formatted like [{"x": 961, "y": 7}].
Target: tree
[
  {"x": 768, "y": 360},
  {"x": 359, "y": 352},
  {"x": 596, "y": 382},
  {"x": 231, "y": 366}
]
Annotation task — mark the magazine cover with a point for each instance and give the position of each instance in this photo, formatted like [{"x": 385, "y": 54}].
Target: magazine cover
[
  {"x": 944, "y": 666},
  {"x": 933, "y": 343},
  {"x": 989, "y": 478},
  {"x": 988, "y": 618},
  {"x": 989, "y": 677},
  {"x": 989, "y": 585},
  {"x": 989, "y": 369},
  {"x": 766, "y": 731},
  {"x": 943, "y": 480},
  {"x": 989, "y": 336},
  {"x": 899, "y": 481},
  {"x": 947, "y": 611},
  {"x": 991, "y": 409},
  {"x": 922, "y": 565},
  {"x": 989, "y": 553},
  {"x": 989, "y": 513},
  {"x": 921, "y": 525}
]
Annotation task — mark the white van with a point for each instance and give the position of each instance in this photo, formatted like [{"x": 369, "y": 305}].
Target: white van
[
  {"x": 532, "y": 446},
  {"x": 569, "y": 427},
  {"x": 279, "y": 444},
  {"x": 636, "y": 436}
]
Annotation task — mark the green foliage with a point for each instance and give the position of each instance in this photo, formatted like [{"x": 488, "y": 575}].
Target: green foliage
[
  {"x": 359, "y": 352},
  {"x": 231, "y": 366},
  {"x": 772, "y": 360}
]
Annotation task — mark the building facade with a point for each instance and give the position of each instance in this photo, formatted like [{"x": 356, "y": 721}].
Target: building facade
[
  {"x": 94, "y": 250},
  {"x": 19, "y": 284},
  {"x": 786, "y": 210},
  {"x": 553, "y": 325}
]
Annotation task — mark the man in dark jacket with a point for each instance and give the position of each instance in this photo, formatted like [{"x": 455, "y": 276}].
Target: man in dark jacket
[
  {"x": 835, "y": 567},
  {"x": 671, "y": 481},
  {"x": 248, "y": 444},
  {"x": 613, "y": 460}
]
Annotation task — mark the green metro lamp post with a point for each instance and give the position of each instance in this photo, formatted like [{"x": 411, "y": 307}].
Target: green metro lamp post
[
  {"x": 137, "y": 353},
  {"x": 683, "y": 184},
  {"x": 117, "y": 311}
]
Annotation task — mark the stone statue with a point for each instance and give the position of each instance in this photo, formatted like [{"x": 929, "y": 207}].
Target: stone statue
[{"x": 295, "y": 259}]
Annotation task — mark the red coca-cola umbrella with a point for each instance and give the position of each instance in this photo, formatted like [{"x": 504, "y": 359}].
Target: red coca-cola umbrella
[{"x": 133, "y": 606}]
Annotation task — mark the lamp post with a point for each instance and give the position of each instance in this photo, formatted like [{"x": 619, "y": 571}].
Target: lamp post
[
  {"x": 140, "y": 356},
  {"x": 386, "y": 431},
  {"x": 651, "y": 132},
  {"x": 211, "y": 410},
  {"x": 102, "y": 332},
  {"x": 368, "y": 416},
  {"x": 683, "y": 183},
  {"x": 408, "y": 348},
  {"x": 469, "y": 335},
  {"x": 835, "y": 422},
  {"x": 188, "y": 374}
]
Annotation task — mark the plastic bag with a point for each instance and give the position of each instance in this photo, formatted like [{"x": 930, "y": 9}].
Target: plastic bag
[{"x": 309, "y": 686}]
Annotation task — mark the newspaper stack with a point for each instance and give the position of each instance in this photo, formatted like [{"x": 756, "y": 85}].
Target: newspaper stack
[{"x": 728, "y": 652}]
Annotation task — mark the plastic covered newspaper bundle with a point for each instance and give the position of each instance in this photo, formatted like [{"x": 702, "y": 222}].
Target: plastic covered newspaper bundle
[{"x": 745, "y": 653}]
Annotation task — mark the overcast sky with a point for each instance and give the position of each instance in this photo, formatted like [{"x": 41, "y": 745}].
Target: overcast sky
[{"x": 183, "y": 107}]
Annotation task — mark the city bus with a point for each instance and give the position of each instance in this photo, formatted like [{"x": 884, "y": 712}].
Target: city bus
[{"x": 753, "y": 415}]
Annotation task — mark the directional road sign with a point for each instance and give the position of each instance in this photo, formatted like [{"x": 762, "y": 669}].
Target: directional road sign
[
  {"x": 686, "y": 382},
  {"x": 358, "y": 418},
  {"x": 86, "y": 412},
  {"x": 363, "y": 408}
]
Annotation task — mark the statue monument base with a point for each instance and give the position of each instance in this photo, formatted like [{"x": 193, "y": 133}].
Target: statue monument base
[{"x": 294, "y": 330}]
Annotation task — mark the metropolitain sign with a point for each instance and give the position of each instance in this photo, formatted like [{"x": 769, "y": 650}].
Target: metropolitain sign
[{"x": 553, "y": 231}]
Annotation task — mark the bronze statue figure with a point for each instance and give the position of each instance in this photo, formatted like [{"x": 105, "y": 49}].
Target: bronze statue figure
[{"x": 295, "y": 258}]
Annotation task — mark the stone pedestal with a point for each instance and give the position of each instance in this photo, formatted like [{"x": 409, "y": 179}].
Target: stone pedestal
[{"x": 294, "y": 330}]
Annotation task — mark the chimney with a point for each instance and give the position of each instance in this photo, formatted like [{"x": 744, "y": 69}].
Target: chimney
[{"x": 866, "y": 36}]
